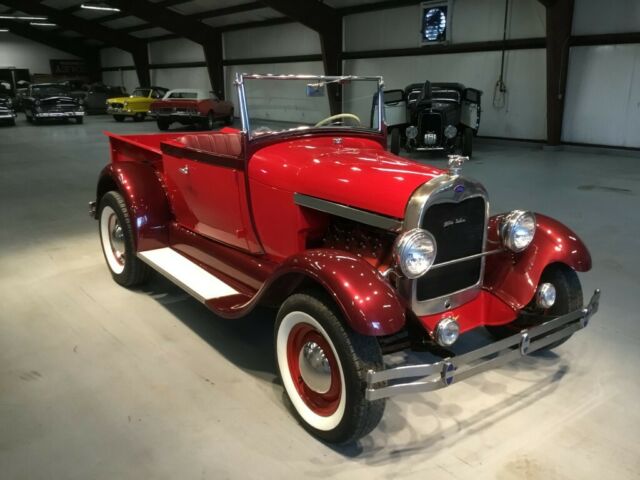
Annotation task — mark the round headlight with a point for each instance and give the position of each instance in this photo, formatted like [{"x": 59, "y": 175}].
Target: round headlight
[
  {"x": 37, "y": 102},
  {"x": 414, "y": 252},
  {"x": 125, "y": 104},
  {"x": 517, "y": 230},
  {"x": 450, "y": 131},
  {"x": 447, "y": 331},
  {"x": 411, "y": 132}
]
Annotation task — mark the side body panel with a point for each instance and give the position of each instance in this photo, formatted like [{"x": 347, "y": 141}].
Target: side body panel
[{"x": 514, "y": 277}]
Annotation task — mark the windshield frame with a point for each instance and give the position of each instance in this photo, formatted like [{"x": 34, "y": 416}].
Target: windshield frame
[{"x": 244, "y": 112}]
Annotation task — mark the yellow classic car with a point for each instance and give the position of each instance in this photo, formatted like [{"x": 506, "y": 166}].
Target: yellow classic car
[{"x": 136, "y": 105}]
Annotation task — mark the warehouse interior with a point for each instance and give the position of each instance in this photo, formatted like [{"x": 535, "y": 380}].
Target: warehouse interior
[{"x": 100, "y": 381}]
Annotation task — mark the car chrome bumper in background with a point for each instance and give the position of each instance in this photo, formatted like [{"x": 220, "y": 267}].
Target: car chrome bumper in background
[
  {"x": 434, "y": 376},
  {"x": 58, "y": 114}
]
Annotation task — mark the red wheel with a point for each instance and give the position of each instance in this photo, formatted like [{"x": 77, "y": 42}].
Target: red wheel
[{"x": 323, "y": 367}]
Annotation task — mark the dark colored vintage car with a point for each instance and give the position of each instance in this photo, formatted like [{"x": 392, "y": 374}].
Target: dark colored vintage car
[
  {"x": 362, "y": 253},
  {"x": 189, "y": 106},
  {"x": 7, "y": 111},
  {"x": 433, "y": 117},
  {"x": 51, "y": 101},
  {"x": 94, "y": 97}
]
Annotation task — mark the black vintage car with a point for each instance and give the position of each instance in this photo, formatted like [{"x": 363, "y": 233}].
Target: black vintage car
[
  {"x": 94, "y": 97},
  {"x": 433, "y": 116},
  {"x": 51, "y": 100},
  {"x": 7, "y": 110}
]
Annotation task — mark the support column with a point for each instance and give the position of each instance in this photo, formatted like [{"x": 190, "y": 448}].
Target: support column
[
  {"x": 213, "y": 56},
  {"x": 559, "y": 24},
  {"x": 141, "y": 61},
  {"x": 331, "y": 43}
]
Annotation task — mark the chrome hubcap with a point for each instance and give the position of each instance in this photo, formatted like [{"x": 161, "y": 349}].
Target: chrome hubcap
[
  {"x": 314, "y": 368},
  {"x": 116, "y": 238}
]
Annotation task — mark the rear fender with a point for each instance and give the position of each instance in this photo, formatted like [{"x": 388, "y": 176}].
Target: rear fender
[
  {"x": 369, "y": 304},
  {"x": 514, "y": 277},
  {"x": 145, "y": 194}
]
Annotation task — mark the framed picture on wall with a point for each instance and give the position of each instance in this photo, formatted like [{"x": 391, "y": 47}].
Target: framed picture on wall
[{"x": 435, "y": 21}]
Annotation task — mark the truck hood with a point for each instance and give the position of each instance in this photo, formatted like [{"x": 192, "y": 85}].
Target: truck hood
[
  {"x": 356, "y": 172},
  {"x": 129, "y": 99}
]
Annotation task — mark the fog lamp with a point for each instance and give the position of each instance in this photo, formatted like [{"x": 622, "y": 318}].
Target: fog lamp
[
  {"x": 450, "y": 131},
  {"x": 447, "y": 331},
  {"x": 411, "y": 132},
  {"x": 545, "y": 295}
]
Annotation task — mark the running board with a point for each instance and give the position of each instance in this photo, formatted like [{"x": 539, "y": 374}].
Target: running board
[{"x": 186, "y": 274}]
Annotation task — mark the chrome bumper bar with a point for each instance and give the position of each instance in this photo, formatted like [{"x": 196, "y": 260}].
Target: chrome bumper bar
[
  {"x": 434, "y": 376},
  {"x": 58, "y": 114}
]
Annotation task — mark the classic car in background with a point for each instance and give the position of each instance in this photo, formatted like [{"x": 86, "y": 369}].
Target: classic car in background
[
  {"x": 433, "y": 116},
  {"x": 191, "y": 107},
  {"x": 51, "y": 101},
  {"x": 94, "y": 97},
  {"x": 7, "y": 110},
  {"x": 136, "y": 105},
  {"x": 362, "y": 252}
]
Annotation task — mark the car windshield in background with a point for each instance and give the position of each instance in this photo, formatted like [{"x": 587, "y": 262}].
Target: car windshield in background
[
  {"x": 277, "y": 104},
  {"x": 188, "y": 95},
  {"x": 141, "y": 92},
  {"x": 49, "y": 90}
]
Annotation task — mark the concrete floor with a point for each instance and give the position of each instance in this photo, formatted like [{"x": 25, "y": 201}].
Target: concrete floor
[{"x": 99, "y": 382}]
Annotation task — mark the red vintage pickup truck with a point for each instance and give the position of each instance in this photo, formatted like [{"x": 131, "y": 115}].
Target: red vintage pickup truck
[{"x": 362, "y": 253}]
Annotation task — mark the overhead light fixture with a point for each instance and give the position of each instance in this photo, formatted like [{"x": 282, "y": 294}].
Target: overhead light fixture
[
  {"x": 42, "y": 24},
  {"x": 4, "y": 30},
  {"x": 18, "y": 17},
  {"x": 99, "y": 6}
]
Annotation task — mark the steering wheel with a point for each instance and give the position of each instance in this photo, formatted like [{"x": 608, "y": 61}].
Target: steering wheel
[{"x": 337, "y": 117}]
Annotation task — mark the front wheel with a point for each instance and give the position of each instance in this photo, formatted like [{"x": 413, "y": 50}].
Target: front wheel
[
  {"x": 467, "y": 142},
  {"x": 323, "y": 366},
  {"x": 395, "y": 141},
  {"x": 229, "y": 119},
  {"x": 568, "y": 299},
  {"x": 116, "y": 237},
  {"x": 118, "y": 118},
  {"x": 163, "y": 124},
  {"x": 209, "y": 122},
  {"x": 79, "y": 120}
]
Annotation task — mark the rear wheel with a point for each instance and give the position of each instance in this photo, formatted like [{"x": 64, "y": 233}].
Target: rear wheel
[
  {"x": 118, "y": 118},
  {"x": 568, "y": 299},
  {"x": 323, "y": 367},
  {"x": 395, "y": 141},
  {"x": 116, "y": 237}
]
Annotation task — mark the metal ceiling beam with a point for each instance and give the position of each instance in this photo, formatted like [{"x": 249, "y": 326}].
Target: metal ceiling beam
[
  {"x": 209, "y": 37},
  {"x": 89, "y": 29}
]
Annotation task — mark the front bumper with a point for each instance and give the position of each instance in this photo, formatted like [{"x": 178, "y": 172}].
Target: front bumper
[
  {"x": 7, "y": 115},
  {"x": 178, "y": 116},
  {"x": 58, "y": 114},
  {"x": 125, "y": 111},
  {"x": 434, "y": 376}
]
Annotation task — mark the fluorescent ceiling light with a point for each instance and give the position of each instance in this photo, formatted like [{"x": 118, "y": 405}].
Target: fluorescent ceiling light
[
  {"x": 99, "y": 6},
  {"x": 4, "y": 30},
  {"x": 42, "y": 24},
  {"x": 17, "y": 17}
]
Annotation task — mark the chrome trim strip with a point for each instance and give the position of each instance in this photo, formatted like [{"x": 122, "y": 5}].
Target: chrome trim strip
[
  {"x": 355, "y": 214},
  {"x": 434, "y": 376},
  {"x": 466, "y": 259},
  {"x": 442, "y": 189}
]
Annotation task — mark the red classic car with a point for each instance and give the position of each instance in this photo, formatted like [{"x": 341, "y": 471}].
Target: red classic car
[
  {"x": 191, "y": 107},
  {"x": 362, "y": 252}
]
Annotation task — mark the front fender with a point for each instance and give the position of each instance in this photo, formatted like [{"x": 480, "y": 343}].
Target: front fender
[
  {"x": 370, "y": 305},
  {"x": 147, "y": 202},
  {"x": 514, "y": 277}
]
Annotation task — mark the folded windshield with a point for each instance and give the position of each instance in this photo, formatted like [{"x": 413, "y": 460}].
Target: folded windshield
[{"x": 274, "y": 104}]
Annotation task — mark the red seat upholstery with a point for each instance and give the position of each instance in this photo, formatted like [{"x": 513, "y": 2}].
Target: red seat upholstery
[{"x": 219, "y": 143}]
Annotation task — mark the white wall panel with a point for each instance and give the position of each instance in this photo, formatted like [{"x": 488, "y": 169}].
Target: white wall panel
[
  {"x": 596, "y": 16},
  {"x": 19, "y": 52},
  {"x": 602, "y": 105},
  {"x": 181, "y": 78},
  {"x": 524, "y": 115},
  {"x": 114, "y": 57},
  {"x": 472, "y": 21},
  {"x": 178, "y": 50},
  {"x": 275, "y": 41}
]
